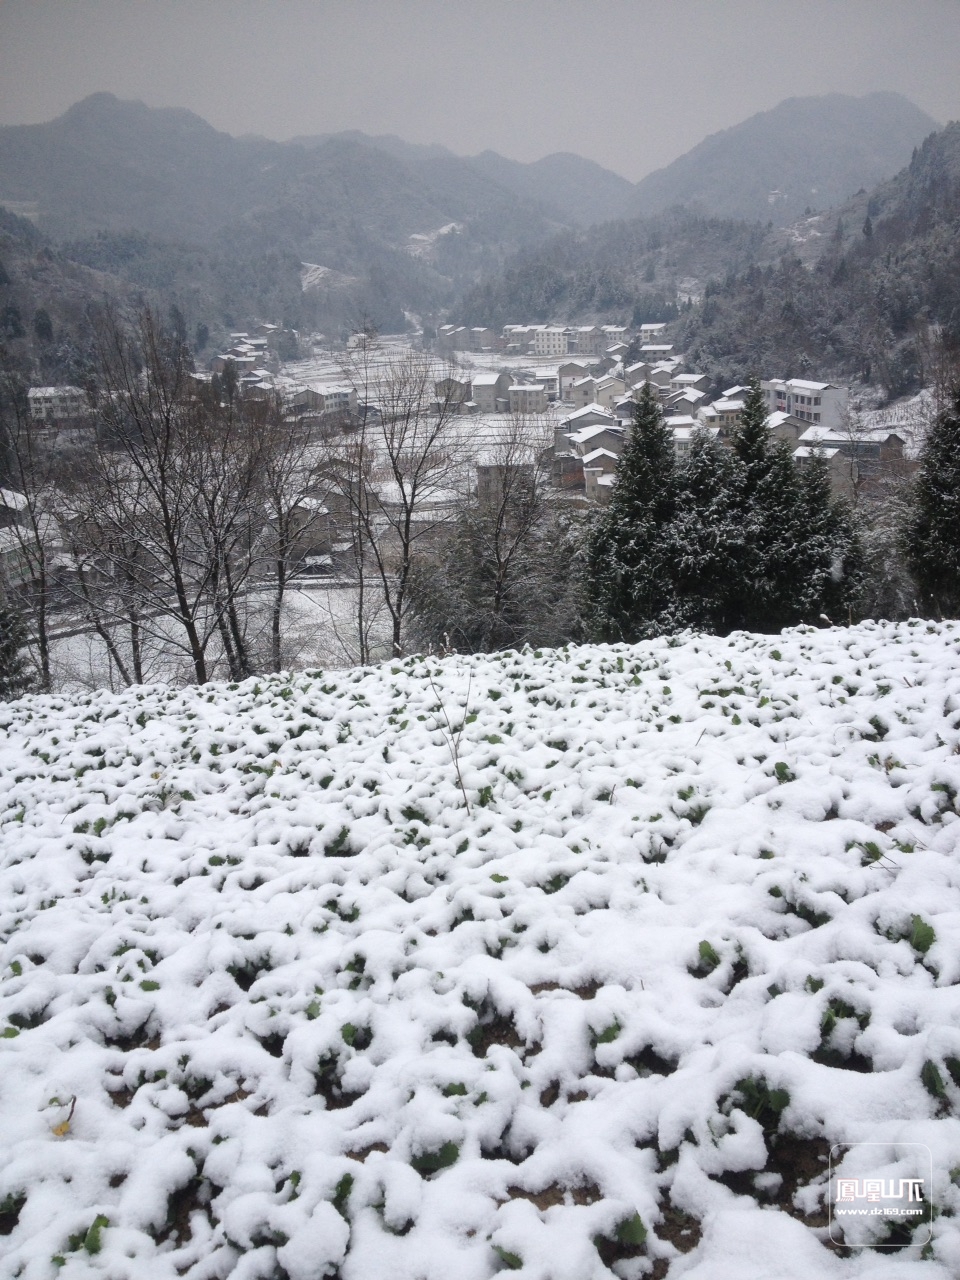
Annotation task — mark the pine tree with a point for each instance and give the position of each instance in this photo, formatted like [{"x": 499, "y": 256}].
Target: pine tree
[
  {"x": 932, "y": 535},
  {"x": 799, "y": 557},
  {"x": 14, "y": 677},
  {"x": 705, "y": 538},
  {"x": 628, "y": 590}
]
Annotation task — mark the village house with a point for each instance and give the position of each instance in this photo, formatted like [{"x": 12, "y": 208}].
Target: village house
[
  {"x": 822, "y": 403},
  {"x": 724, "y": 414},
  {"x": 684, "y": 401},
  {"x": 516, "y": 339},
  {"x": 613, "y": 333},
  {"x": 453, "y": 394},
  {"x": 590, "y": 415},
  {"x": 862, "y": 460},
  {"x": 583, "y": 391},
  {"x": 657, "y": 352},
  {"x": 549, "y": 379},
  {"x": 684, "y": 428},
  {"x": 325, "y": 398},
  {"x": 602, "y": 436},
  {"x": 550, "y": 340},
  {"x": 690, "y": 382},
  {"x": 51, "y": 406},
  {"x": 59, "y": 416},
  {"x": 587, "y": 340},
  {"x": 568, "y": 373},
  {"x": 608, "y": 391},
  {"x": 527, "y": 398},
  {"x": 599, "y": 468},
  {"x": 635, "y": 375},
  {"x": 491, "y": 391},
  {"x": 484, "y": 339}
]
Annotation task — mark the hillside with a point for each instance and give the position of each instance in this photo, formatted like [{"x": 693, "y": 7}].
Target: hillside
[
  {"x": 574, "y": 963},
  {"x": 631, "y": 270},
  {"x": 807, "y": 153},
  {"x": 854, "y": 293},
  {"x": 257, "y": 209},
  {"x": 567, "y": 187},
  {"x": 44, "y": 296}
]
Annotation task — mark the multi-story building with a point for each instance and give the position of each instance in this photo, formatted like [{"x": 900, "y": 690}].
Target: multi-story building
[
  {"x": 527, "y": 398},
  {"x": 50, "y": 406},
  {"x": 491, "y": 391},
  {"x": 820, "y": 403},
  {"x": 587, "y": 340},
  {"x": 550, "y": 340}
]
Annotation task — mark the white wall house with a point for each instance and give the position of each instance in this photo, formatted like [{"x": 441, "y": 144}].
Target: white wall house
[
  {"x": 550, "y": 340},
  {"x": 527, "y": 398},
  {"x": 820, "y": 403},
  {"x": 49, "y": 405}
]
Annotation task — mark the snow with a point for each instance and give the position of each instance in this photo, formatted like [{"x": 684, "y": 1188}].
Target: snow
[{"x": 444, "y": 966}]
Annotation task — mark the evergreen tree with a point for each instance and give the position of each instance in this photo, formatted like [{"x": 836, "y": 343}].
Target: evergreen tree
[
  {"x": 14, "y": 678},
  {"x": 628, "y": 589},
  {"x": 730, "y": 538},
  {"x": 799, "y": 557},
  {"x": 932, "y": 535},
  {"x": 705, "y": 538}
]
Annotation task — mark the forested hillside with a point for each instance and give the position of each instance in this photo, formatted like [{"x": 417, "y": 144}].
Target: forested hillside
[
  {"x": 889, "y": 267},
  {"x": 226, "y": 223},
  {"x": 805, "y": 153},
  {"x": 633, "y": 269},
  {"x": 44, "y": 296}
]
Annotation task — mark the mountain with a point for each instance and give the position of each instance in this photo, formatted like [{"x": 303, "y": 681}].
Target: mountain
[
  {"x": 805, "y": 153},
  {"x": 565, "y": 185},
  {"x": 259, "y": 208},
  {"x": 580, "y": 190},
  {"x": 108, "y": 164},
  {"x": 44, "y": 298},
  {"x": 859, "y": 292}
]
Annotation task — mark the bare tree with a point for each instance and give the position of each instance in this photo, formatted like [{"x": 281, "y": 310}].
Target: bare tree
[
  {"x": 33, "y": 469},
  {"x": 295, "y": 511},
  {"x": 500, "y": 576},
  {"x": 165, "y": 513},
  {"x": 397, "y": 470}
]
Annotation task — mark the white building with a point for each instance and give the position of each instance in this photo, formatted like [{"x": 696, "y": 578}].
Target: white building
[
  {"x": 550, "y": 340},
  {"x": 50, "y": 405},
  {"x": 527, "y": 398},
  {"x": 821, "y": 403}
]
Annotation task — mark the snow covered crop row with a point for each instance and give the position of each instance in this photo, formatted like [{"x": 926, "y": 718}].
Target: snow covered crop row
[{"x": 567, "y": 963}]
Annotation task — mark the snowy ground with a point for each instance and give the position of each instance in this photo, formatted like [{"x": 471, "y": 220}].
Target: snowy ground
[
  {"x": 320, "y": 628},
  {"x": 560, "y": 963}
]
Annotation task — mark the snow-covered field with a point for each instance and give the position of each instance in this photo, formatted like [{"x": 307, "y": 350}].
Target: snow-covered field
[
  {"x": 320, "y": 627},
  {"x": 560, "y": 963}
]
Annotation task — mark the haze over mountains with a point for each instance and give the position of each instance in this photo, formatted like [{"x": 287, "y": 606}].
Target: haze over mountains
[
  {"x": 109, "y": 164},
  {"x": 225, "y": 225},
  {"x": 806, "y": 152}
]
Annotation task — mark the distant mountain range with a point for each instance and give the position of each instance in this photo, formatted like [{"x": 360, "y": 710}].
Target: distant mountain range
[
  {"x": 106, "y": 164},
  {"x": 807, "y": 153},
  {"x": 224, "y": 225}
]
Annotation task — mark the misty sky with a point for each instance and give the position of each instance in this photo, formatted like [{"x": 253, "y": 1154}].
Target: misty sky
[{"x": 631, "y": 84}]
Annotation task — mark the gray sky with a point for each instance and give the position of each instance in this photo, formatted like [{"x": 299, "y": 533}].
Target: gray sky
[{"x": 631, "y": 84}]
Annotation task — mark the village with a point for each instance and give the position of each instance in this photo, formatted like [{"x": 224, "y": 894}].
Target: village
[
  {"x": 569, "y": 393},
  {"x": 582, "y": 382}
]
